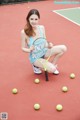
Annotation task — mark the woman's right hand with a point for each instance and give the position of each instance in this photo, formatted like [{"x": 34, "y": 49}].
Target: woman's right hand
[{"x": 31, "y": 48}]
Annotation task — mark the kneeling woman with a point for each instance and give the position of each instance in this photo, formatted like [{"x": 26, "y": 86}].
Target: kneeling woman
[{"x": 29, "y": 34}]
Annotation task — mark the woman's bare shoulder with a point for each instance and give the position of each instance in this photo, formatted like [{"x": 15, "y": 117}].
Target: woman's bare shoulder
[
  {"x": 42, "y": 27},
  {"x": 22, "y": 31},
  {"x": 24, "y": 34}
]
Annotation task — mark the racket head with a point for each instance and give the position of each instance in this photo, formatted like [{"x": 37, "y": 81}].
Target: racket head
[
  {"x": 39, "y": 40},
  {"x": 39, "y": 44}
]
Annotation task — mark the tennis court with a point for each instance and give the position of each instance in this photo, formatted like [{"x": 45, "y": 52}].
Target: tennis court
[
  {"x": 17, "y": 72},
  {"x": 70, "y": 14}
]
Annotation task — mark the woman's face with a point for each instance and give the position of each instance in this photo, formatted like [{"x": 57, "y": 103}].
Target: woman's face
[{"x": 33, "y": 20}]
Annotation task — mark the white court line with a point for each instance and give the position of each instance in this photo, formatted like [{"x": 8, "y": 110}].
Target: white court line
[
  {"x": 67, "y": 9},
  {"x": 55, "y": 11}
]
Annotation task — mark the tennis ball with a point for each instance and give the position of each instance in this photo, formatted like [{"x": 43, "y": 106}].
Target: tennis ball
[
  {"x": 64, "y": 89},
  {"x": 36, "y": 106},
  {"x": 59, "y": 107},
  {"x": 14, "y": 91},
  {"x": 72, "y": 75},
  {"x": 37, "y": 80}
]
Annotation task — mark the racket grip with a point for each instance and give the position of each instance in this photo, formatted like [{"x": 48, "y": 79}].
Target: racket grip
[{"x": 46, "y": 76}]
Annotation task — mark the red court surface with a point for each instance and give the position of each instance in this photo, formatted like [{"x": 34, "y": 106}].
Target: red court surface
[{"x": 16, "y": 71}]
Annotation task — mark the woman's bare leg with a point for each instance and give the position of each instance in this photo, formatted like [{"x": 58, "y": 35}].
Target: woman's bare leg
[
  {"x": 56, "y": 52},
  {"x": 41, "y": 63}
]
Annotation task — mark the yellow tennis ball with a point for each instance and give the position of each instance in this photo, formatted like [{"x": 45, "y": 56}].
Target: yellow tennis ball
[
  {"x": 59, "y": 107},
  {"x": 64, "y": 89},
  {"x": 36, "y": 106},
  {"x": 14, "y": 91},
  {"x": 72, "y": 75},
  {"x": 37, "y": 80}
]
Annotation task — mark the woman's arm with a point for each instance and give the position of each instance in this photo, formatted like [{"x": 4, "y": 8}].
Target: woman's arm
[
  {"x": 24, "y": 43},
  {"x": 43, "y": 29},
  {"x": 50, "y": 45}
]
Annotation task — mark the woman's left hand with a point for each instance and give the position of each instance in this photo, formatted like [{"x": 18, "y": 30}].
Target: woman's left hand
[{"x": 50, "y": 45}]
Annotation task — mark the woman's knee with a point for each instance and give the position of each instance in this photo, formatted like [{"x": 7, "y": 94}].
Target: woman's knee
[{"x": 64, "y": 48}]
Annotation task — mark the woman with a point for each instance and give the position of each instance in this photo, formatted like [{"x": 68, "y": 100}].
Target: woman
[{"x": 32, "y": 31}]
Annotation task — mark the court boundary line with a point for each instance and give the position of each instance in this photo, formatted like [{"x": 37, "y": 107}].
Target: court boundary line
[{"x": 55, "y": 11}]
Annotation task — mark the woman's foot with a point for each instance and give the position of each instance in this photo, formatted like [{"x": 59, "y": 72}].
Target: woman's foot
[
  {"x": 37, "y": 70},
  {"x": 56, "y": 72}
]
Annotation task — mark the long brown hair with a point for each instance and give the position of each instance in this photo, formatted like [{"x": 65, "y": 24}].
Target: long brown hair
[{"x": 28, "y": 28}]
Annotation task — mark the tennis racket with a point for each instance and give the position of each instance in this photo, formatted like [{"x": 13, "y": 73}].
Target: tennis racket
[
  {"x": 40, "y": 46},
  {"x": 45, "y": 67}
]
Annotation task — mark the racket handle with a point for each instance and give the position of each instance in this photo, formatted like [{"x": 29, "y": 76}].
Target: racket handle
[{"x": 46, "y": 76}]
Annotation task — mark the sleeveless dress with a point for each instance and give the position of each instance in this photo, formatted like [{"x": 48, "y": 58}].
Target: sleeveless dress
[{"x": 39, "y": 51}]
